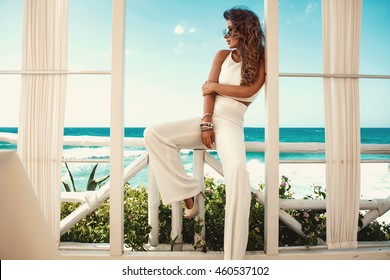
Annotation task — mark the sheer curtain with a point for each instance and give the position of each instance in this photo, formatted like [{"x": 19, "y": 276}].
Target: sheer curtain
[
  {"x": 42, "y": 106},
  {"x": 341, "y": 46}
]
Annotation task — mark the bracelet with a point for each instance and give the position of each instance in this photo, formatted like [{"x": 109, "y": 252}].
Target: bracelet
[
  {"x": 206, "y": 126},
  {"x": 209, "y": 124},
  {"x": 207, "y": 114}
]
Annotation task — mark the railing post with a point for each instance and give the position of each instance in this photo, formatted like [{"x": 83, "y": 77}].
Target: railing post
[
  {"x": 271, "y": 217},
  {"x": 177, "y": 226},
  {"x": 199, "y": 157},
  {"x": 116, "y": 128},
  {"x": 153, "y": 208}
]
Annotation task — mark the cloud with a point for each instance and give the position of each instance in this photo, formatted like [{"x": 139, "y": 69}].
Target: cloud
[
  {"x": 179, "y": 29},
  {"x": 311, "y": 7}
]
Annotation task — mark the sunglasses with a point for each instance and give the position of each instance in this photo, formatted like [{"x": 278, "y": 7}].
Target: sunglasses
[{"x": 227, "y": 32}]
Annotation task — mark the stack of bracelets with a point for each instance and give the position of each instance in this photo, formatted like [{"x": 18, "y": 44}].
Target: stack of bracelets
[{"x": 206, "y": 125}]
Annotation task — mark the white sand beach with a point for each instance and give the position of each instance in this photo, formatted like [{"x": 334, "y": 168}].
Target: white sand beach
[{"x": 375, "y": 179}]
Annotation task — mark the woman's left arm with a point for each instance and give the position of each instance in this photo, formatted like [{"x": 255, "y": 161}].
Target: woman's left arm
[{"x": 236, "y": 91}]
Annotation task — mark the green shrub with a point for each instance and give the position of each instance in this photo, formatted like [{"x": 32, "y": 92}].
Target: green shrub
[
  {"x": 94, "y": 228},
  {"x": 313, "y": 221},
  {"x": 375, "y": 231},
  {"x": 136, "y": 227}
]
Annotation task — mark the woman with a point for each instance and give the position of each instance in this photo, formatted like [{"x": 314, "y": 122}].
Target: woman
[{"x": 234, "y": 81}]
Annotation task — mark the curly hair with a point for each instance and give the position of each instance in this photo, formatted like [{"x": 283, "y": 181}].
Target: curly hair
[{"x": 247, "y": 25}]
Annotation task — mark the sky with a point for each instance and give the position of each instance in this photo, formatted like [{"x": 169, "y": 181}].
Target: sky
[{"x": 169, "y": 49}]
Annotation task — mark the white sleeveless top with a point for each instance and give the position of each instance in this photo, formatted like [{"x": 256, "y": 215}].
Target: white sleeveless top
[{"x": 231, "y": 75}]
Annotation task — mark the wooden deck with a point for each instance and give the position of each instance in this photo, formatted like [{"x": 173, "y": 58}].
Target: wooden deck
[{"x": 365, "y": 251}]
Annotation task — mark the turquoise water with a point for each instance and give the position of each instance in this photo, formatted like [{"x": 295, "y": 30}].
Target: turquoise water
[{"x": 81, "y": 171}]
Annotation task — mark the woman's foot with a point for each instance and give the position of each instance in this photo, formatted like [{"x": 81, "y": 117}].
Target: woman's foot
[
  {"x": 189, "y": 202},
  {"x": 192, "y": 210}
]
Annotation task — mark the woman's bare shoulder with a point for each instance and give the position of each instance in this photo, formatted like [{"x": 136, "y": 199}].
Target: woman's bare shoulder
[{"x": 221, "y": 55}]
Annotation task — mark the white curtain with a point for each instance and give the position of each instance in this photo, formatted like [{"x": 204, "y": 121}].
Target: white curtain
[
  {"x": 341, "y": 46},
  {"x": 42, "y": 106}
]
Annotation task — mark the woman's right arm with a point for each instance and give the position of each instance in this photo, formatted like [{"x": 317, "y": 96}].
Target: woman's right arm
[{"x": 208, "y": 137}]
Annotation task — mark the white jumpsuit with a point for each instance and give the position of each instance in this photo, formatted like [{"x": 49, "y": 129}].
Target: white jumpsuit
[{"x": 164, "y": 142}]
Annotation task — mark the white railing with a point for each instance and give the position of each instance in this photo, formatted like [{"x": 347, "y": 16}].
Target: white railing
[{"x": 91, "y": 199}]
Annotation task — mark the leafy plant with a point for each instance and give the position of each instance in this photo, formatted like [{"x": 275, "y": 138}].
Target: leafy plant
[
  {"x": 215, "y": 200},
  {"x": 200, "y": 243},
  {"x": 66, "y": 185},
  {"x": 313, "y": 221},
  {"x": 95, "y": 227},
  {"x": 91, "y": 183},
  {"x": 136, "y": 227},
  {"x": 375, "y": 231}
]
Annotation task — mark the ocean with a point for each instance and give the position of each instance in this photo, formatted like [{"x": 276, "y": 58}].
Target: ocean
[{"x": 375, "y": 176}]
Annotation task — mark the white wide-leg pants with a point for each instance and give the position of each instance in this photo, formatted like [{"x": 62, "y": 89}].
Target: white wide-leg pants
[{"x": 164, "y": 142}]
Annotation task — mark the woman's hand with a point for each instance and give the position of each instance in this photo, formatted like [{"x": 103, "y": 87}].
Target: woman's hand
[
  {"x": 208, "y": 138},
  {"x": 208, "y": 88}
]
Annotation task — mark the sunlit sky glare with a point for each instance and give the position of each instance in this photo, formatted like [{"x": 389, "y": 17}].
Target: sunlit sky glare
[{"x": 169, "y": 49}]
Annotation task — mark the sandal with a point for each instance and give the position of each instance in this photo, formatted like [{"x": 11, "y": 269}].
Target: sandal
[{"x": 194, "y": 211}]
